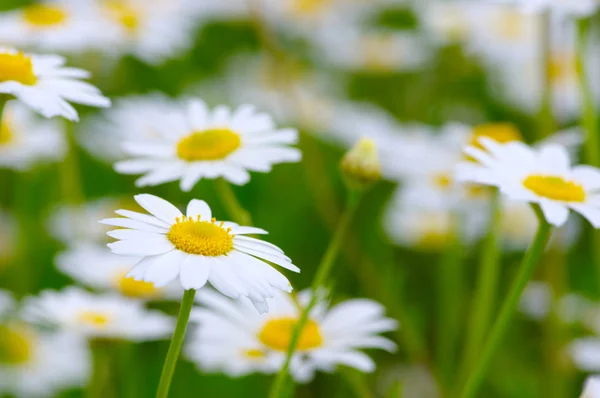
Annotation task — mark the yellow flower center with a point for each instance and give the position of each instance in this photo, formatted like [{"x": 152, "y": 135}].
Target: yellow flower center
[
  {"x": 499, "y": 132},
  {"x": 15, "y": 344},
  {"x": 254, "y": 353},
  {"x": 510, "y": 25},
  {"x": 7, "y": 134},
  {"x": 17, "y": 67},
  {"x": 138, "y": 289},
  {"x": 561, "y": 67},
  {"x": 43, "y": 15},
  {"x": 94, "y": 318},
  {"x": 308, "y": 7},
  {"x": 124, "y": 14},
  {"x": 277, "y": 334},
  {"x": 443, "y": 180},
  {"x": 554, "y": 187},
  {"x": 213, "y": 144},
  {"x": 204, "y": 238}
]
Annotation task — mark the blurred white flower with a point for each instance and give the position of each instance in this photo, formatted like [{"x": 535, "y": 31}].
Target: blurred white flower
[
  {"x": 447, "y": 22},
  {"x": 25, "y": 140},
  {"x": 94, "y": 265},
  {"x": 133, "y": 118},
  {"x": 536, "y": 303},
  {"x": 43, "y": 83},
  {"x": 38, "y": 363},
  {"x": 195, "y": 248},
  {"x": 234, "y": 339},
  {"x": 97, "y": 316},
  {"x": 200, "y": 143},
  {"x": 543, "y": 176},
  {"x": 54, "y": 26},
  {"x": 591, "y": 388},
  {"x": 577, "y": 8}
]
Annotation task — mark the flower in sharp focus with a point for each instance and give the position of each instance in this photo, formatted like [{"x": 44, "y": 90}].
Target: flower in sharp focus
[
  {"x": 108, "y": 316},
  {"x": 591, "y": 388},
  {"x": 234, "y": 339},
  {"x": 541, "y": 175},
  {"x": 196, "y": 248},
  {"x": 43, "y": 83},
  {"x": 37, "y": 362},
  {"x": 201, "y": 143},
  {"x": 55, "y": 25},
  {"x": 94, "y": 265},
  {"x": 25, "y": 140}
]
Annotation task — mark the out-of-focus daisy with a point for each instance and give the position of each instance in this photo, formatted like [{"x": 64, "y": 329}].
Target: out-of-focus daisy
[
  {"x": 95, "y": 266},
  {"x": 543, "y": 176},
  {"x": 591, "y": 388},
  {"x": 234, "y": 339},
  {"x": 43, "y": 83},
  {"x": 196, "y": 248},
  {"x": 97, "y": 316},
  {"x": 25, "y": 140},
  {"x": 71, "y": 224},
  {"x": 151, "y": 30},
  {"x": 450, "y": 22},
  {"x": 8, "y": 237},
  {"x": 201, "y": 143},
  {"x": 578, "y": 8},
  {"x": 38, "y": 362},
  {"x": 54, "y": 25},
  {"x": 537, "y": 300},
  {"x": 132, "y": 118}
]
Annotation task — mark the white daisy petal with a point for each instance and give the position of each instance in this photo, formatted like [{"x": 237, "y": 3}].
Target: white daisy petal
[
  {"x": 194, "y": 272},
  {"x": 158, "y": 207},
  {"x": 199, "y": 207}
]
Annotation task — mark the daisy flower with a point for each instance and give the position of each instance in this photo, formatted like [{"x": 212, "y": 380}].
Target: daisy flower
[
  {"x": 231, "y": 337},
  {"x": 201, "y": 143},
  {"x": 94, "y": 265},
  {"x": 537, "y": 300},
  {"x": 195, "y": 248},
  {"x": 591, "y": 388},
  {"x": 25, "y": 140},
  {"x": 91, "y": 315},
  {"x": 43, "y": 83},
  {"x": 54, "y": 360},
  {"x": 133, "y": 118},
  {"x": 54, "y": 26},
  {"x": 536, "y": 175}
]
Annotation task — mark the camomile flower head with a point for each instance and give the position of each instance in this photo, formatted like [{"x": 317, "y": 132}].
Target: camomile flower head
[
  {"x": 202, "y": 143},
  {"x": 94, "y": 265},
  {"x": 133, "y": 118},
  {"x": 25, "y": 140},
  {"x": 196, "y": 248},
  {"x": 106, "y": 316},
  {"x": 591, "y": 388},
  {"x": 537, "y": 300},
  {"x": 44, "y": 84},
  {"x": 541, "y": 175},
  {"x": 53, "y": 26},
  {"x": 232, "y": 338},
  {"x": 38, "y": 363}
]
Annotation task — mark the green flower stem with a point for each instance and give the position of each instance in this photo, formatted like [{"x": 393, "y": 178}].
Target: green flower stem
[
  {"x": 546, "y": 122},
  {"x": 176, "y": 341},
  {"x": 589, "y": 120},
  {"x": 232, "y": 206},
  {"x": 101, "y": 383},
  {"x": 281, "y": 380},
  {"x": 487, "y": 284},
  {"x": 500, "y": 327},
  {"x": 3, "y": 100},
  {"x": 450, "y": 288},
  {"x": 69, "y": 170}
]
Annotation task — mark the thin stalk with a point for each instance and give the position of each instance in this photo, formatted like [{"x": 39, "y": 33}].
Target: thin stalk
[
  {"x": 321, "y": 276},
  {"x": 502, "y": 323},
  {"x": 545, "y": 117},
  {"x": 232, "y": 205},
  {"x": 101, "y": 383},
  {"x": 357, "y": 382},
  {"x": 589, "y": 121},
  {"x": 449, "y": 304},
  {"x": 70, "y": 175},
  {"x": 487, "y": 284},
  {"x": 176, "y": 341}
]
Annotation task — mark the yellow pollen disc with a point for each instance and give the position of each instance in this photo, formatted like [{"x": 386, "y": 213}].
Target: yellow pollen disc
[
  {"x": 554, "y": 187},
  {"x": 125, "y": 15},
  {"x": 15, "y": 344},
  {"x": 254, "y": 354},
  {"x": 561, "y": 67},
  {"x": 41, "y": 15},
  {"x": 94, "y": 318},
  {"x": 211, "y": 144},
  {"x": 308, "y": 7},
  {"x": 277, "y": 333},
  {"x": 17, "y": 67},
  {"x": 499, "y": 132},
  {"x": 139, "y": 289},
  {"x": 204, "y": 238},
  {"x": 443, "y": 180}
]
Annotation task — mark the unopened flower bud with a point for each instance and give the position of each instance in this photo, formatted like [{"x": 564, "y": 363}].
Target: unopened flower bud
[{"x": 360, "y": 165}]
